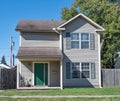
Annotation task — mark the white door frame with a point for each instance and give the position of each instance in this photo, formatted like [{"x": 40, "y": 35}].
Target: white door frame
[{"x": 48, "y": 72}]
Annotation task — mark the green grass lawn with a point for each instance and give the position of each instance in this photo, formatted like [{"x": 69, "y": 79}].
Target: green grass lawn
[
  {"x": 67, "y": 91},
  {"x": 61, "y": 99}
]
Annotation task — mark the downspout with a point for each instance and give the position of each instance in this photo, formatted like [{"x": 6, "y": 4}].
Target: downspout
[
  {"x": 59, "y": 31},
  {"x": 102, "y": 43}
]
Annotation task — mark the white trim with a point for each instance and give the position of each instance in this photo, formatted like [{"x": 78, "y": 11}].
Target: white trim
[
  {"x": 20, "y": 67},
  {"x": 44, "y": 74},
  {"x": 59, "y": 29},
  {"x": 61, "y": 74},
  {"x": 32, "y": 73},
  {"x": 80, "y": 41},
  {"x": 60, "y": 40},
  {"x": 18, "y": 78},
  {"x": 48, "y": 72},
  {"x": 86, "y": 18},
  {"x": 98, "y": 30},
  {"x": 85, "y": 40},
  {"x": 80, "y": 69},
  {"x": 99, "y": 61},
  {"x": 86, "y": 70}
]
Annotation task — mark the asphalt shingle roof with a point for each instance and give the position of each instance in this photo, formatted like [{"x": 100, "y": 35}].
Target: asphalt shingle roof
[
  {"x": 38, "y": 25},
  {"x": 39, "y": 52}
]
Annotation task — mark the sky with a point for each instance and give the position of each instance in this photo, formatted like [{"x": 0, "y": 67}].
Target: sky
[{"x": 12, "y": 11}]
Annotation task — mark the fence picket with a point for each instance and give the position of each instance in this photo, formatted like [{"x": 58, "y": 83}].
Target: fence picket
[
  {"x": 8, "y": 78},
  {"x": 110, "y": 78}
]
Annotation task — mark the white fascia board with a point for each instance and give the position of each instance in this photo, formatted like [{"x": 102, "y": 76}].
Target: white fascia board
[
  {"x": 59, "y": 29},
  {"x": 98, "y": 30},
  {"x": 94, "y": 23},
  {"x": 69, "y": 20}
]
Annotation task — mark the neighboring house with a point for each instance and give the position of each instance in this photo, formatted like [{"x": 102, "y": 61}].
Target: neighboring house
[
  {"x": 59, "y": 53},
  {"x": 2, "y": 66},
  {"x": 117, "y": 62}
]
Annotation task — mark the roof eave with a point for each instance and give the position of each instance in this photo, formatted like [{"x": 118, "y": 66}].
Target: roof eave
[
  {"x": 39, "y": 58},
  {"x": 100, "y": 30},
  {"x": 21, "y": 30}
]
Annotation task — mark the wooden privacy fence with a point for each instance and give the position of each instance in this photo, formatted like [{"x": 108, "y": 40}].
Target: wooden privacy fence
[
  {"x": 110, "y": 78},
  {"x": 8, "y": 78}
]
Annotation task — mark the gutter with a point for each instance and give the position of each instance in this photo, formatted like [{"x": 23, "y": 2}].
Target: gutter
[{"x": 58, "y": 29}]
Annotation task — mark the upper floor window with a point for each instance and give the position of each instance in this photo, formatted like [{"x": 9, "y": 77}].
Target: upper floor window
[
  {"x": 74, "y": 40},
  {"x": 84, "y": 40},
  {"x": 80, "y": 41}
]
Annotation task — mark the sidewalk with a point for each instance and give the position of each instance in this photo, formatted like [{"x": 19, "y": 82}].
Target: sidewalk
[{"x": 63, "y": 96}]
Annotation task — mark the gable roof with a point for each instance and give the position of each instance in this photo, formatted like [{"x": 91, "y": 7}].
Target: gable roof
[
  {"x": 100, "y": 28},
  {"x": 48, "y": 25},
  {"x": 38, "y": 25}
]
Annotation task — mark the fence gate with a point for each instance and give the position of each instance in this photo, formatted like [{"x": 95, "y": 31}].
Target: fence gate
[{"x": 110, "y": 78}]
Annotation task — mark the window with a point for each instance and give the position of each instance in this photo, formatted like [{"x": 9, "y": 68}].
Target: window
[
  {"x": 85, "y": 70},
  {"x": 84, "y": 40},
  {"x": 75, "y": 70},
  {"x": 80, "y": 70},
  {"x": 74, "y": 40},
  {"x": 80, "y": 40}
]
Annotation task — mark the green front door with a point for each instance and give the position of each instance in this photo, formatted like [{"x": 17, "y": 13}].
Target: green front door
[{"x": 41, "y": 74}]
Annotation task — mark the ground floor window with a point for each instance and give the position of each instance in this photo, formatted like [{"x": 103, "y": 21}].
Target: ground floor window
[
  {"x": 85, "y": 68},
  {"x": 75, "y": 70},
  {"x": 80, "y": 70}
]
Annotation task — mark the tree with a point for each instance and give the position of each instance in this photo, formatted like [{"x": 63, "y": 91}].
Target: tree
[
  {"x": 107, "y": 14},
  {"x": 114, "y": 1},
  {"x": 3, "y": 61}
]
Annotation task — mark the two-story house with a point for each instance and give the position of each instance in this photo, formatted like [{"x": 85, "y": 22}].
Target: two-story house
[{"x": 59, "y": 53}]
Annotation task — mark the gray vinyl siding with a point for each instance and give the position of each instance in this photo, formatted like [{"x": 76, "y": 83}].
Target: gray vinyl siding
[
  {"x": 55, "y": 73},
  {"x": 26, "y": 74},
  {"x": 80, "y": 25},
  {"x": 81, "y": 82},
  {"x": 39, "y": 39}
]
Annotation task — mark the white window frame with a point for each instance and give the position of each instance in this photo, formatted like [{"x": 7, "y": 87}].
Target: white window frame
[
  {"x": 85, "y": 40},
  {"x": 86, "y": 70},
  {"x": 80, "y": 69},
  {"x": 73, "y": 70},
  {"x": 80, "y": 41},
  {"x": 73, "y": 40}
]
